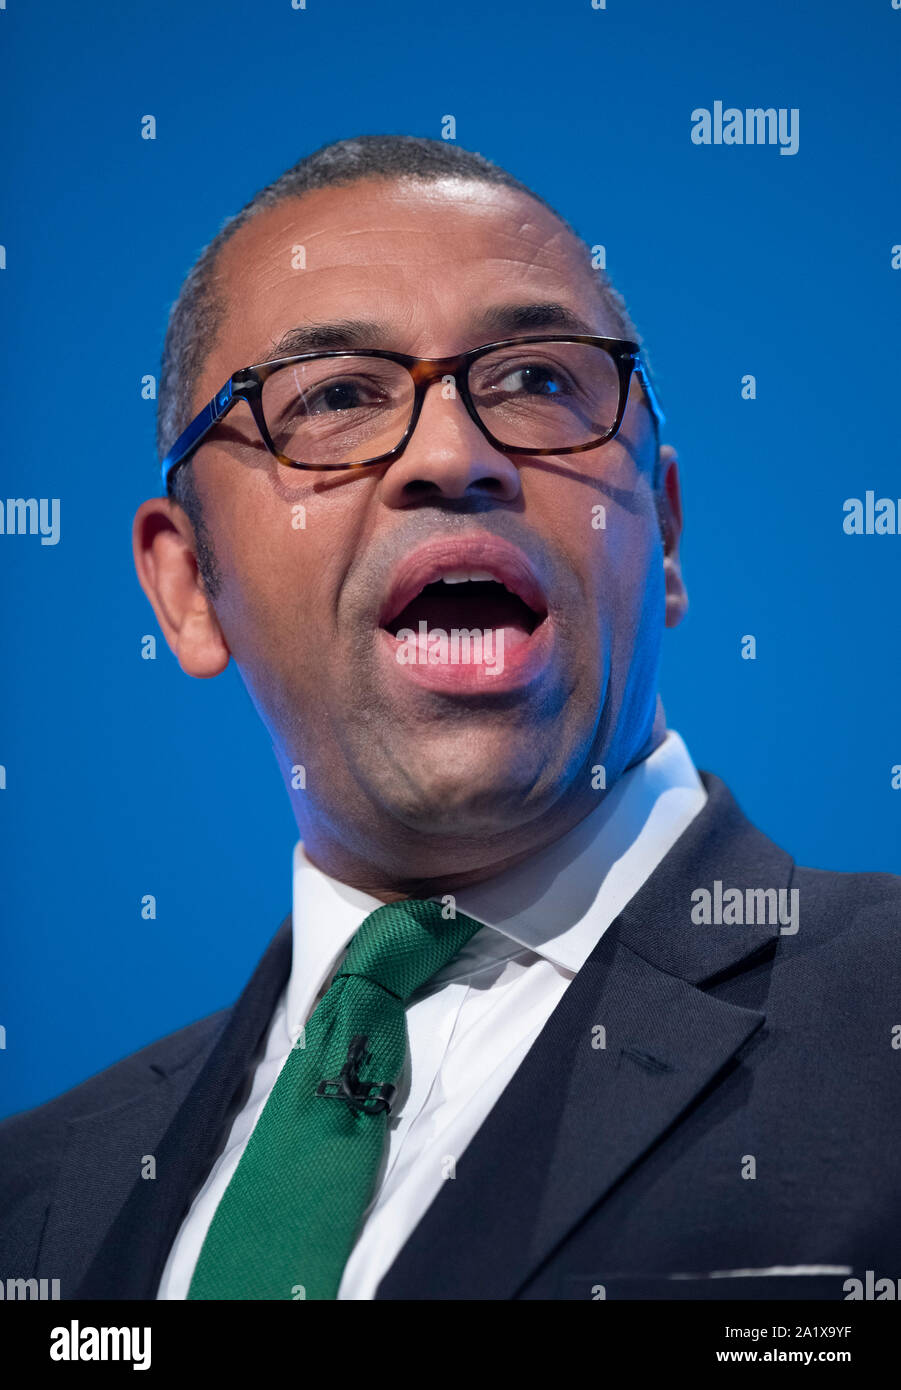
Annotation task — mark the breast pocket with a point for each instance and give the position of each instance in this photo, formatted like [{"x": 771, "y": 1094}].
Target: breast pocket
[{"x": 767, "y": 1284}]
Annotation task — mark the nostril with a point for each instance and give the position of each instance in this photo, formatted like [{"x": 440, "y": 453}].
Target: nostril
[
  {"x": 426, "y": 487},
  {"x": 420, "y": 487}
]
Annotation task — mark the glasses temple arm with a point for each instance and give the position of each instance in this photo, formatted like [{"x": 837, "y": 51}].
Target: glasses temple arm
[
  {"x": 642, "y": 374},
  {"x": 199, "y": 427}
]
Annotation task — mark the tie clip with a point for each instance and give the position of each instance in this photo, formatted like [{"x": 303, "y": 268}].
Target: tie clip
[{"x": 348, "y": 1087}]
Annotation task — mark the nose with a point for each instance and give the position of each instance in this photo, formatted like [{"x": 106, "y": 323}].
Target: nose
[{"x": 449, "y": 457}]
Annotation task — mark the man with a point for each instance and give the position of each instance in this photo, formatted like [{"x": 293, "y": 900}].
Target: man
[{"x": 550, "y": 1018}]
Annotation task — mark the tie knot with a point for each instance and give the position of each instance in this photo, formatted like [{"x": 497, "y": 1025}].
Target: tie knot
[{"x": 402, "y": 945}]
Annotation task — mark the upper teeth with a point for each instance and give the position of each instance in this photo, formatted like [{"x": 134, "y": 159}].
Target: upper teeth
[{"x": 466, "y": 577}]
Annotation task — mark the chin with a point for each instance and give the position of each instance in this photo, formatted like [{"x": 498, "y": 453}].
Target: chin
[
  {"x": 464, "y": 802},
  {"x": 470, "y": 819}
]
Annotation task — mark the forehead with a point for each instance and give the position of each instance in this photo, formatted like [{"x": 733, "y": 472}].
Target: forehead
[{"x": 421, "y": 259}]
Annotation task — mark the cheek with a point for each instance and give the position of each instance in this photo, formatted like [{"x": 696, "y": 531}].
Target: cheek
[
  {"x": 624, "y": 560},
  {"x": 633, "y": 606},
  {"x": 605, "y": 527},
  {"x": 277, "y": 559}
]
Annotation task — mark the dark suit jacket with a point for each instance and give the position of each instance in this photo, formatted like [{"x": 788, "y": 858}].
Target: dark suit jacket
[{"x": 601, "y": 1171}]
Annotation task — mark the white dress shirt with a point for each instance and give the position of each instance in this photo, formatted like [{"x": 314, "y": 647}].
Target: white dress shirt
[{"x": 472, "y": 1024}]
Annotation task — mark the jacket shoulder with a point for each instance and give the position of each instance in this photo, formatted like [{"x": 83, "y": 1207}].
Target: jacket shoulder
[
  {"x": 42, "y": 1128},
  {"x": 33, "y": 1143},
  {"x": 858, "y": 900},
  {"x": 854, "y": 917}
]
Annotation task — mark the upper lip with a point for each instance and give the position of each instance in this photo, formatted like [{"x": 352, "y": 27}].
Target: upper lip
[{"x": 504, "y": 562}]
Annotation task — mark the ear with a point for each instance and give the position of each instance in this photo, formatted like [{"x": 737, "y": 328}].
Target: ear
[
  {"x": 669, "y": 511},
  {"x": 165, "y": 554}
]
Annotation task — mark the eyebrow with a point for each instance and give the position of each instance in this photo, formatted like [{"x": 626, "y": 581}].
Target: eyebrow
[
  {"x": 504, "y": 320},
  {"x": 509, "y": 319},
  {"x": 327, "y": 337}
]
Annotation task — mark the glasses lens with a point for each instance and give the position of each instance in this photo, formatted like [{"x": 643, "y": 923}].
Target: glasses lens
[
  {"x": 543, "y": 395},
  {"x": 338, "y": 410}
]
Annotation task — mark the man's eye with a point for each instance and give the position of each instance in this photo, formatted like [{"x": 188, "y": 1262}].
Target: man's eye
[
  {"x": 534, "y": 379},
  {"x": 347, "y": 394}
]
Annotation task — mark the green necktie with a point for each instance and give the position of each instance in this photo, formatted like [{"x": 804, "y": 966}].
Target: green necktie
[{"x": 292, "y": 1211}]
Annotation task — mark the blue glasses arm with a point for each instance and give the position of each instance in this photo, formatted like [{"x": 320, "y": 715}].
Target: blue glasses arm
[
  {"x": 198, "y": 429},
  {"x": 644, "y": 378}
]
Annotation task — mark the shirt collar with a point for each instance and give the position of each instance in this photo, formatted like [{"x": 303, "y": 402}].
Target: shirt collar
[{"x": 558, "y": 903}]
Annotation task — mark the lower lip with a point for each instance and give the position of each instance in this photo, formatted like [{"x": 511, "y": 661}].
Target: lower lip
[{"x": 522, "y": 660}]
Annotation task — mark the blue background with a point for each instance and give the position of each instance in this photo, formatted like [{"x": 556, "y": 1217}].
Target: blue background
[{"x": 124, "y": 776}]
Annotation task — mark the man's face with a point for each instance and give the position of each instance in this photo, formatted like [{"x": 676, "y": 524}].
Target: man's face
[{"x": 402, "y": 760}]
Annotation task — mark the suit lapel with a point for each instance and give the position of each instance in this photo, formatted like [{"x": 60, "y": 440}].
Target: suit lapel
[
  {"x": 103, "y": 1154},
  {"x": 189, "y": 1115},
  {"x": 576, "y": 1117}
]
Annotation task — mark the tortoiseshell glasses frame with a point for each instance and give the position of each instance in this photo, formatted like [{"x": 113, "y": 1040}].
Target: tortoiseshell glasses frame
[{"x": 247, "y": 383}]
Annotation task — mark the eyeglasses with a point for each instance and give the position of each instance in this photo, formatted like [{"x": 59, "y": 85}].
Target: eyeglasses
[{"x": 349, "y": 409}]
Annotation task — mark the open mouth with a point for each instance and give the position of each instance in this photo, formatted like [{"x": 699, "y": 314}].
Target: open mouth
[
  {"x": 465, "y": 614},
  {"x": 468, "y": 599}
]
